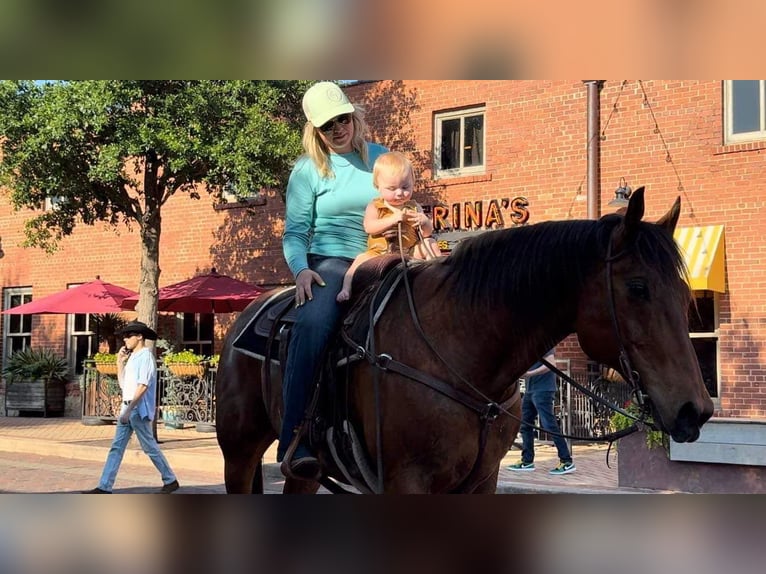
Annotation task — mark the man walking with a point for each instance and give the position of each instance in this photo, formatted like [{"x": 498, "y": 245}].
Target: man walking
[
  {"x": 137, "y": 375},
  {"x": 539, "y": 394}
]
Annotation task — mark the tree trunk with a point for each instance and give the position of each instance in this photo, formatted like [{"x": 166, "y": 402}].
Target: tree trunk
[{"x": 151, "y": 228}]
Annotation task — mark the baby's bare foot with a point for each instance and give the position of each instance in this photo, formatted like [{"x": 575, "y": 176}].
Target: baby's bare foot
[{"x": 344, "y": 295}]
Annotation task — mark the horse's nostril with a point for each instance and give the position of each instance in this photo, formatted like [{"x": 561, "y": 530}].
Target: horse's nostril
[{"x": 688, "y": 423}]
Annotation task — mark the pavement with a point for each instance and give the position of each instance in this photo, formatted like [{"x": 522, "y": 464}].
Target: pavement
[{"x": 197, "y": 460}]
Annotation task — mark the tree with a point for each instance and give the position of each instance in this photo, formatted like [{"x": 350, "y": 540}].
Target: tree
[{"x": 117, "y": 150}]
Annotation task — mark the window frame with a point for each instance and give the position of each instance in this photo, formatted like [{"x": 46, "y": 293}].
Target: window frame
[
  {"x": 714, "y": 334},
  {"x": 461, "y": 114},
  {"x": 71, "y": 333},
  {"x": 734, "y": 138},
  {"x": 26, "y": 297},
  {"x": 197, "y": 344}
]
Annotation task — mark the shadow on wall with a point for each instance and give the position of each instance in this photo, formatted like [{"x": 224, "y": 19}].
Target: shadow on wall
[
  {"x": 390, "y": 108},
  {"x": 248, "y": 244}
]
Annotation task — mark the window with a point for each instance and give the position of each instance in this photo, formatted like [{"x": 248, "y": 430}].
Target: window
[
  {"x": 53, "y": 202},
  {"x": 80, "y": 334},
  {"x": 703, "y": 330},
  {"x": 744, "y": 110},
  {"x": 459, "y": 143},
  {"x": 17, "y": 329},
  {"x": 198, "y": 333}
]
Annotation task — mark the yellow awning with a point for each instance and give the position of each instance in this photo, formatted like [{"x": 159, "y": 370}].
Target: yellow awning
[{"x": 703, "y": 249}]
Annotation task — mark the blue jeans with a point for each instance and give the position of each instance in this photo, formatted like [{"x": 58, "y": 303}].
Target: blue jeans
[
  {"x": 540, "y": 403},
  {"x": 143, "y": 429},
  {"x": 315, "y": 325}
]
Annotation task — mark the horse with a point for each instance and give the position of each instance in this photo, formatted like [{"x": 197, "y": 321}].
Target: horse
[{"x": 476, "y": 320}]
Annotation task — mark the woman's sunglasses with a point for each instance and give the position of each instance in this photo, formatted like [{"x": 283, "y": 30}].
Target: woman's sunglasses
[{"x": 329, "y": 126}]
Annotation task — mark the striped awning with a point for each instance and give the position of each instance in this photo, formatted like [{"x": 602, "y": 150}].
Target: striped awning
[{"x": 703, "y": 249}]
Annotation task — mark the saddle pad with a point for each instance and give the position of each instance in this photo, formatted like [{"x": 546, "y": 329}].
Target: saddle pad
[{"x": 253, "y": 339}]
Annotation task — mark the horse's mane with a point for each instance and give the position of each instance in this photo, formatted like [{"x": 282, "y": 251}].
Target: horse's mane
[{"x": 547, "y": 260}]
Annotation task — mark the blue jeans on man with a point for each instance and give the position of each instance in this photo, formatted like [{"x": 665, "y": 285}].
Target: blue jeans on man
[
  {"x": 143, "y": 429},
  {"x": 539, "y": 403},
  {"x": 315, "y": 325}
]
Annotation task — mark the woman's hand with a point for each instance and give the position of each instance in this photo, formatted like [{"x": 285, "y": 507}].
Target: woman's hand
[{"x": 303, "y": 285}]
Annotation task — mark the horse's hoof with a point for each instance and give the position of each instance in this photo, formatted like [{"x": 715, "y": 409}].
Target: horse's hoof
[{"x": 303, "y": 468}]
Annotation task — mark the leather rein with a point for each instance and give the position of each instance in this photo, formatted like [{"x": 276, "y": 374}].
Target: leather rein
[{"x": 488, "y": 409}]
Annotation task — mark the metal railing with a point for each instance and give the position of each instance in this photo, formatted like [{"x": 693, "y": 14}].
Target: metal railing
[
  {"x": 577, "y": 413},
  {"x": 181, "y": 399}
]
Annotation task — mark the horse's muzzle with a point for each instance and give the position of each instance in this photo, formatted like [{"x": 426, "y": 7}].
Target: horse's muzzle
[{"x": 690, "y": 419}]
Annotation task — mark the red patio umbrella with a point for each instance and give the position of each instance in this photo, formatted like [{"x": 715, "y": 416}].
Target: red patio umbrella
[
  {"x": 93, "y": 297},
  {"x": 211, "y": 293}
]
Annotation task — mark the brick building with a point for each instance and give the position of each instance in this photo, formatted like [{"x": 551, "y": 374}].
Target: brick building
[{"x": 490, "y": 153}]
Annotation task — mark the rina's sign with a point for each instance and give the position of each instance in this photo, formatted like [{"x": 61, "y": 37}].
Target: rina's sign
[{"x": 479, "y": 215}]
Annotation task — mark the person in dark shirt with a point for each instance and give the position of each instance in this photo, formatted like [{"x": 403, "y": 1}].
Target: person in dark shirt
[{"x": 539, "y": 394}]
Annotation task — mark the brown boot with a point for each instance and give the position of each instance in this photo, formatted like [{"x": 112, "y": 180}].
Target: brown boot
[{"x": 301, "y": 464}]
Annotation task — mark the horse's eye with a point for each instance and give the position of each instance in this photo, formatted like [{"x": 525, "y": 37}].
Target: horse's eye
[{"x": 637, "y": 288}]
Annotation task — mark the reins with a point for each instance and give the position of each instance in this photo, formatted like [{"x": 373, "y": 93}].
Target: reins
[{"x": 487, "y": 408}]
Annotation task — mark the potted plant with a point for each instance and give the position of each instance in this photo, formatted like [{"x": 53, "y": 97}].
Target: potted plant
[
  {"x": 643, "y": 459},
  {"x": 186, "y": 363},
  {"x": 106, "y": 363},
  {"x": 36, "y": 381}
]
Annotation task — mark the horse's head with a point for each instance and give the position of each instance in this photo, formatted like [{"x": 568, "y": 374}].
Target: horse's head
[{"x": 645, "y": 312}]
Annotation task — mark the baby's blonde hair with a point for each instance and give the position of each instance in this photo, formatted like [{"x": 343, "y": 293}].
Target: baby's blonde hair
[
  {"x": 394, "y": 162},
  {"x": 320, "y": 155}
]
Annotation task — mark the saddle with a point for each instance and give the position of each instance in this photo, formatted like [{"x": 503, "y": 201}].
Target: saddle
[{"x": 326, "y": 423}]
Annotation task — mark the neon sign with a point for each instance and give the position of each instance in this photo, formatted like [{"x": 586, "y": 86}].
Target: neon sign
[{"x": 476, "y": 215}]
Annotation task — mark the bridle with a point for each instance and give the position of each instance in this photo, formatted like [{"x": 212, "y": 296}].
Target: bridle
[
  {"x": 627, "y": 371},
  {"x": 487, "y": 408}
]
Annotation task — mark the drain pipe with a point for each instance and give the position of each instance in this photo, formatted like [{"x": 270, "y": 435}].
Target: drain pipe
[{"x": 594, "y": 147}]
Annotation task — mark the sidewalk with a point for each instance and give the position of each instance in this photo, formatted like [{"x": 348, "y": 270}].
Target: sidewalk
[{"x": 189, "y": 449}]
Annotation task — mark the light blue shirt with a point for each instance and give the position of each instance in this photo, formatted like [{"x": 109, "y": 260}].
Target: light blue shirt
[
  {"x": 141, "y": 369},
  {"x": 325, "y": 216}
]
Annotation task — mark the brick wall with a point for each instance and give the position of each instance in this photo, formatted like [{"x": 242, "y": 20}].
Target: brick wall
[{"x": 536, "y": 147}]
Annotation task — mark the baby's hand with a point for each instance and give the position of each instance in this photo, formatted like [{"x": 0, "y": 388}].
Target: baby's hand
[{"x": 414, "y": 218}]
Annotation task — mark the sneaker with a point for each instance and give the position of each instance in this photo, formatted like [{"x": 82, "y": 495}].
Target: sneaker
[
  {"x": 564, "y": 468},
  {"x": 169, "y": 487},
  {"x": 95, "y": 491},
  {"x": 522, "y": 466}
]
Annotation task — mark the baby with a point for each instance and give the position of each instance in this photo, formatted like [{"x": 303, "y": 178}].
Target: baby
[{"x": 393, "y": 178}]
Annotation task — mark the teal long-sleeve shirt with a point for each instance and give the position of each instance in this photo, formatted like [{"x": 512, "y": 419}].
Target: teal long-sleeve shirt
[{"x": 325, "y": 216}]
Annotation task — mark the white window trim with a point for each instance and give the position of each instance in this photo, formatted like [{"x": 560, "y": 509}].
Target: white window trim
[
  {"x": 9, "y": 292},
  {"x": 183, "y": 344},
  {"x": 460, "y": 114},
  {"x": 729, "y": 136},
  {"x": 714, "y": 334},
  {"x": 53, "y": 202}
]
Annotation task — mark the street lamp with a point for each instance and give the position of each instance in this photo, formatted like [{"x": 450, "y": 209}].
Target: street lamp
[{"x": 621, "y": 195}]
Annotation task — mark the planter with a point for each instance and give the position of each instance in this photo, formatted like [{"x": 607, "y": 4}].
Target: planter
[
  {"x": 639, "y": 466},
  {"x": 186, "y": 369},
  {"x": 35, "y": 396},
  {"x": 173, "y": 417},
  {"x": 107, "y": 368}
]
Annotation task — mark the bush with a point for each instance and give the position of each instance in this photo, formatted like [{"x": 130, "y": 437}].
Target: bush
[
  {"x": 105, "y": 357},
  {"x": 654, "y": 438},
  {"x": 34, "y": 365},
  {"x": 184, "y": 357}
]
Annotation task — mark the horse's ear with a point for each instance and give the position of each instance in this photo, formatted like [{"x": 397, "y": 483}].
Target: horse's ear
[
  {"x": 670, "y": 219},
  {"x": 633, "y": 214}
]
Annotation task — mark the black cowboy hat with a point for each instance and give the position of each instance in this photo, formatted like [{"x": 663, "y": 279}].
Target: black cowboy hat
[{"x": 139, "y": 328}]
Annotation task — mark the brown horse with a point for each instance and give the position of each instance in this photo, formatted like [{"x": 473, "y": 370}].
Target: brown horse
[{"x": 487, "y": 312}]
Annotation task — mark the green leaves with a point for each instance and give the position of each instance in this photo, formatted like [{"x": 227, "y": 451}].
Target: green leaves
[{"x": 83, "y": 140}]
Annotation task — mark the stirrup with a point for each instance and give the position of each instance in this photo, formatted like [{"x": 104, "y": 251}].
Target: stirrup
[{"x": 287, "y": 461}]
